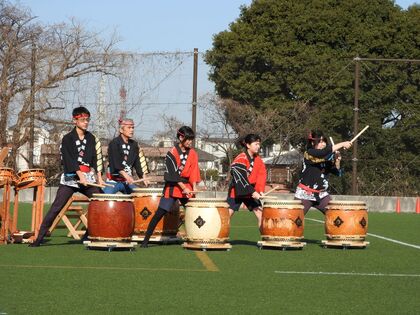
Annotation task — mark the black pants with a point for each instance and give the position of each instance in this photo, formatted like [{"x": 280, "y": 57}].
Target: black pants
[{"x": 64, "y": 193}]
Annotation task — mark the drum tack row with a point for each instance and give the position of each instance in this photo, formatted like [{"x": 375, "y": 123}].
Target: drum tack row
[
  {"x": 115, "y": 221},
  {"x": 32, "y": 178}
]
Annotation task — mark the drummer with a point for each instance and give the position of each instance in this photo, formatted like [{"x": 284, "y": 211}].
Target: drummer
[
  {"x": 81, "y": 157},
  {"x": 320, "y": 159},
  {"x": 248, "y": 178},
  {"x": 124, "y": 154},
  {"x": 181, "y": 177}
]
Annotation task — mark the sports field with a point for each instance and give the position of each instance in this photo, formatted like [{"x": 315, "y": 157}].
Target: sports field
[{"x": 62, "y": 277}]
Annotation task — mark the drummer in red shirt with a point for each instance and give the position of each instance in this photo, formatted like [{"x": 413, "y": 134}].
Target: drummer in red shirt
[
  {"x": 248, "y": 178},
  {"x": 181, "y": 177}
]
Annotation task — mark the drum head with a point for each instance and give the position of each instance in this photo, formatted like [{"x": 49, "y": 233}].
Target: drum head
[
  {"x": 347, "y": 204},
  {"x": 143, "y": 192},
  {"x": 283, "y": 203},
  {"x": 207, "y": 202},
  {"x": 111, "y": 197}
]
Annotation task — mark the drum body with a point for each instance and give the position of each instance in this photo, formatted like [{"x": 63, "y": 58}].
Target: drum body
[
  {"x": 207, "y": 220},
  {"x": 146, "y": 202},
  {"x": 346, "y": 220},
  {"x": 110, "y": 217},
  {"x": 30, "y": 178},
  {"x": 7, "y": 176},
  {"x": 282, "y": 220}
]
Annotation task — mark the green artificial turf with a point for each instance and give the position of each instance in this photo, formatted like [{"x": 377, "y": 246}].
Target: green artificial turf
[{"x": 63, "y": 277}]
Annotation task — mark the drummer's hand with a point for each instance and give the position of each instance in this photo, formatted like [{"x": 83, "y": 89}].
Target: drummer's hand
[
  {"x": 337, "y": 155},
  {"x": 82, "y": 180},
  {"x": 101, "y": 181},
  {"x": 256, "y": 195},
  {"x": 186, "y": 191},
  {"x": 129, "y": 179}
]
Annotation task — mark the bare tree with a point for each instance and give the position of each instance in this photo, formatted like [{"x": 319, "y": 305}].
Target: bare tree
[{"x": 56, "y": 53}]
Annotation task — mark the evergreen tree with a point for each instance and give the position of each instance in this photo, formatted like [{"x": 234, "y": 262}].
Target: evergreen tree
[{"x": 281, "y": 51}]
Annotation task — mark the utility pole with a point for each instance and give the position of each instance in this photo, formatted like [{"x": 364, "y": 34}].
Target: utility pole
[
  {"x": 194, "y": 96},
  {"x": 32, "y": 108}
]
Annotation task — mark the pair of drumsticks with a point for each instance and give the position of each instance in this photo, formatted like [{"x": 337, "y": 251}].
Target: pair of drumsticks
[
  {"x": 354, "y": 138},
  {"x": 110, "y": 185}
]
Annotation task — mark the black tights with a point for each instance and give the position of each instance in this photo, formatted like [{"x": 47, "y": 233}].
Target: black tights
[{"x": 152, "y": 225}]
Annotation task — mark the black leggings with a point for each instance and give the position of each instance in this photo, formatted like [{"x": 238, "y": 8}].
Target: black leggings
[
  {"x": 153, "y": 222},
  {"x": 320, "y": 205}
]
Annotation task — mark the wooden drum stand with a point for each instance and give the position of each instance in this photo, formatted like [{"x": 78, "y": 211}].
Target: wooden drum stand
[
  {"x": 6, "y": 181},
  {"x": 32, "y": 178}
]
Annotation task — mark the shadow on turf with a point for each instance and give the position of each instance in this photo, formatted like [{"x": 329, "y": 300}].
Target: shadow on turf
[{"x": 243, "y": 242}]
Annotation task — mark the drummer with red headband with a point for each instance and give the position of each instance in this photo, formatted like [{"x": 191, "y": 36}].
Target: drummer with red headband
[
  {"x": 124, "y": 154},
  {"x": 181, "y": 177},
  {"x": 320, "y": 159},
  {"x": 81, "y": 157}
]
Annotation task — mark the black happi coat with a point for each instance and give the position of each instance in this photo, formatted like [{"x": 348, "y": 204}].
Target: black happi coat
[
  {"x": 117, "y": 156},
  {"x": 76, "y": 152}
]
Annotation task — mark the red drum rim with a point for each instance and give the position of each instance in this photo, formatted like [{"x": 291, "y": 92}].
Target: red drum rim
[{"x": 111, "y": 197}]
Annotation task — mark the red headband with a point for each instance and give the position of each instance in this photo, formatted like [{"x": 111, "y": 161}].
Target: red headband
[
  {"x": 82, "y": 115},
  {"x": 123, "y": 122},
  {"x": 181, "y": 134}
]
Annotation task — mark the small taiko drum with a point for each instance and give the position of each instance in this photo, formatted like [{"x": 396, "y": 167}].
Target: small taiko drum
[
  {"x": 7, "y": 176},
  {"x": 346, "y": 220},
  {"x": 207, "y": 223},
  {"x": 30, "y": 178},
  {"x": 110, "y": 217},
  {"x": 146, "y": 202},
  {"x": 282, "y": 220}
]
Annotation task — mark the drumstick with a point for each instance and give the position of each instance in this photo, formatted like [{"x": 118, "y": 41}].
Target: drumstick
[
  {"x": 358, "y": 135},
  {"x": 270, "y": 191},
  {"x": 139, "y": 181},
  {"x": 332, "y": 141},
  {"x": 94, "y": 185}
]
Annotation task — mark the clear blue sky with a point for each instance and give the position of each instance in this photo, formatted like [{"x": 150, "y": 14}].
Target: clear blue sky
[
  {"x": 150, "y": 25},
  {"x": 154, "y": 25}
]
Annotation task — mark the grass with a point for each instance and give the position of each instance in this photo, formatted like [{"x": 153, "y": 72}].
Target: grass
[{"x": 63, "y": 277}]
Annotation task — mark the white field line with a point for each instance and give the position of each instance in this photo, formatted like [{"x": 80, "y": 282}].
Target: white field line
[
  {"x": 322, "y": 273},
  {"x": 378, "y": 236}
]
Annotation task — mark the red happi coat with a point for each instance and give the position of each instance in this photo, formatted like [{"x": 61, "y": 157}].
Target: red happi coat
[
  {"x": 175, "y": 172},
  {"x": 246, "y": 180}
]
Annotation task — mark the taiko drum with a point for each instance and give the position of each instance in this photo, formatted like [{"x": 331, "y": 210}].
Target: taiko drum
[
  {"x": 282, "y": 220},
  {"x": 30, "y": 178},
  {"x": 207, "y": 220},
  {"x": 346, "y": 220},
  {"x": 146, "y": 202},
  {"x": 110, "y": 217},
  {"x": 7, "y": 176}
]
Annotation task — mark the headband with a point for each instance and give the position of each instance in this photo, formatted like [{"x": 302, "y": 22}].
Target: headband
[
  {"x": 82, "y": 115},
  {"x": 123, "y": 122}
]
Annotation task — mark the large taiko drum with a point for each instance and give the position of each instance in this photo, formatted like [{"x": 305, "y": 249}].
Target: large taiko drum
[
  {"x": 146, "y": 202},
  {"x": 7, "y": 176},
  {"x": 207, "y": 222},
  {"x": 110, "y": 217},
  {"x": 282, "y": 220},
  {"x": 30, "y": 178},
  {"x": 346, "y": 220}
]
